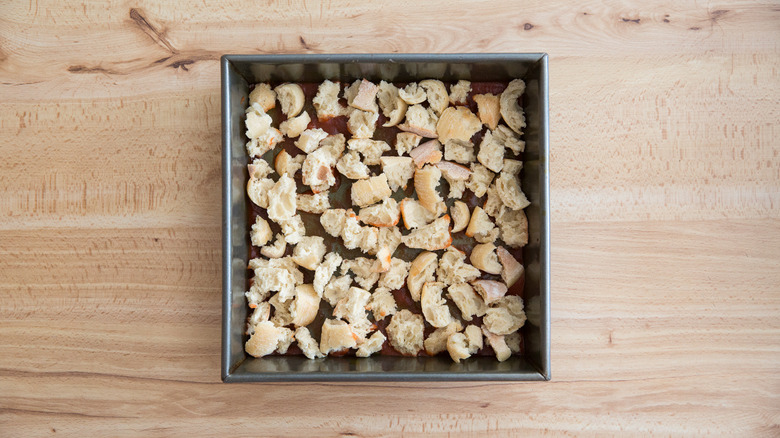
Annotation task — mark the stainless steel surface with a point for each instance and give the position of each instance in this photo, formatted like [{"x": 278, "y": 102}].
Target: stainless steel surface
[{"x": 238, "y": 71}]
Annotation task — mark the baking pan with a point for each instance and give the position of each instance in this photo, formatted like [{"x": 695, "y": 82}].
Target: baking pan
[{"x": 239, "y": 71}]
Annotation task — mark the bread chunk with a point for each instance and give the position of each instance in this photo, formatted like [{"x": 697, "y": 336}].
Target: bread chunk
[
  {"x": 291, "y": 98},
  {"x": 336, "y": 336},
  {"x": 406, "y": 332},
  {"x": 307, "y": 343},
  {"x": 459, "y": 92},
  {"x": 457, "y": 123},
  {"x": 421, "y": 271},
  {"x": 469, "y": 303},
  {"x": 406, "y": 141},
  {"x": 434, "y": 306},
  {"x": 431, "y": 237},
  {"x": 264, "y": 96},
  {"x": 326, "y": 102},
  {"x": 398, "y": 171},
  {"x": 510, "y": 109},
  {"x": 369, "y": 191}
]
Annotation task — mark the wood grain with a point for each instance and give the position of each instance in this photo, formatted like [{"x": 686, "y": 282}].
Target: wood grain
[{"x": 665, "y": 174}]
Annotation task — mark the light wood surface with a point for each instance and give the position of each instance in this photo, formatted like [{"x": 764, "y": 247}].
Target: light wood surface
[{"x": 665, "y": 170}]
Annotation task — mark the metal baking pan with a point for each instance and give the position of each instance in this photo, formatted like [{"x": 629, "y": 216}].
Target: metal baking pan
[{"x": 239, "y": 71}]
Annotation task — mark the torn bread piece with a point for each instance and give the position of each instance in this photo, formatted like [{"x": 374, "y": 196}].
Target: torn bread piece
[
  {"x": 333, "y": 221},
  {"x": 282, "y": 315},
  {"x": 315, "y": 203},
  {"x": 498, "y": 344},
  {"x": 393, "y": 107},
  {"x": 406, "y": 332},
  {"x": 286, "y": 164},
  {"x": 262, "y": 137},
  {"x": 453, "y": 268},
  {"x": 364, "y": 97},
  {"x": 385, "y": 214},
  {"x": 361, "y": 124},
  {"x": 291, "y": 99},
  {"x": 389, "y": 237},
  {"x": 459, "y": 151},
  {"x": 282, "y": 202},
  {"x": 491, "y": 153},
  {"x": 257, "y": 122},
  {"x": 493, "y": 202},
  {"x": 406, "y": 141},
  {"x": 383, "y": 256},
  {"x": 505, "y": 315},
  {"x": 508, "y": 187},
  {"x": 431, "y": 237},
  {"x": 305, "y": 305},
  {"x": 350, "y": 166},
  {"x": 434, "y": 306},
  {"x": 398, "y": 171},
  {"x": 326, "y": 102},
  {"x": 336, "y": 289},
  {"x": 415, "y": 215},
  {"x": 513, "y": 225},
  {"x": 474, "y": 336},
  {"x": 395, "y": 276},
  {"x": 510, "y": 109},
  {"x": 293, "y": 127},
  {"x": 352, "y": 307},
  {"x": 257, "y": 294},
  {"x": 469, "y": 303},
  {"x": 277, "y": 275},
  {"x": 261, "y": 232},
  {"x": 436, "y": 342},
  {"x": 421, "y": 121},
  {"x": 456, "y": 176},
  {"x": 426, "y": 183},
  {"x": 488, "y": 109},
  {"x": 356, "y": 236},
  {"x": 371, "y": 345},
  {"x": 480, "y": 179},
  {"x": 511, "y": 269},
  {"x": 457, "y": 345},
  {"x": 460, "y": 216},
  {"x": 293, "y": 229},
  {"x": 421, "y": 271},
  {"x": 336, "y": 336},
  {"x": 266, "y": 339},
  {"x": 309, "y": 251},
  {"x": 264, "y": 96},
  {"x": 307, "y": 343},
  {"x": 362, "y": 267},
  {"x": 276, "y": 250},
  {"x": 459, "y": 92},
  {"x": 457, "y": 123},
  {"x": 369, "y": 191},
  {"x": 261, "y": 312},
  {"x": 382, "y": 303},
  {"x": 412, "y": 94},
  {"x": 317, "y": 170},
  {"x": 489, "y": 290},
  {"x": 481, "y": 228},
  {"x": 428, "y": 152},
  {"x": 484, "y": 257},
  {"x": 509, "y": 139},
  {"x": 309, "y": 140},
  {"x": 436, "y": 94},
  {"x": 324, "y": 272},
  {"x": 370, "y": 149}
]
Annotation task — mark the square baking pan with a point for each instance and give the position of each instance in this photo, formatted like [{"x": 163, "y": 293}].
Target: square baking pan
[{"x": 240, "y": 71}]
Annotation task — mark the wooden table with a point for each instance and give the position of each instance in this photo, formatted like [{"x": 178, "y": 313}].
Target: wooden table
[{"x": 666, "y": 219}]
